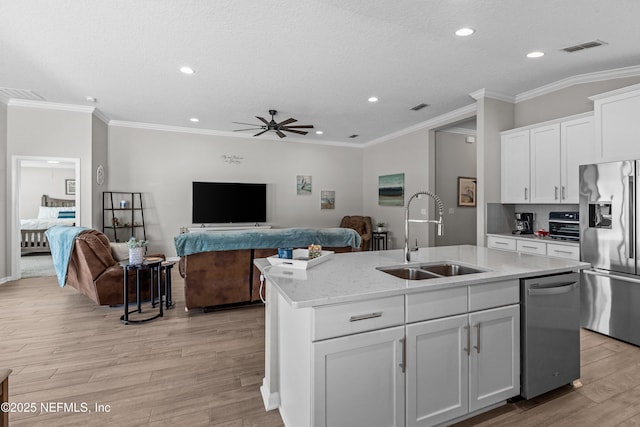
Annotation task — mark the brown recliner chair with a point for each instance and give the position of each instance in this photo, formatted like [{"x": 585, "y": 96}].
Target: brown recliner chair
[
  {"x": 362, "y": 225},
  {"x": 94, "y": 272}
]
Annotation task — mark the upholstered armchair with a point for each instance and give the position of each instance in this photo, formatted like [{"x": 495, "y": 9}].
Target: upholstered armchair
[{"x": 362, "y": 225}]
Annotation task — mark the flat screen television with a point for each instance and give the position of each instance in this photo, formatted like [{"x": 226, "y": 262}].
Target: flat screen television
[{"x": 228, "y": 202}]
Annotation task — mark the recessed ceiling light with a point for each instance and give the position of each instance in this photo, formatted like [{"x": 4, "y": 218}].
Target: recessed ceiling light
[
  {"x": 53, "y": 162},
  {"x": 373, "y": 99},
  {"x": 90, "y": 99},
  {"x": 187, "y": 70},
  {"x": 194, "y": 119},
  {"x": 319, "y": 132},
  {"x": 463, "y": 32},
  {"x": 535, "y": 54}
]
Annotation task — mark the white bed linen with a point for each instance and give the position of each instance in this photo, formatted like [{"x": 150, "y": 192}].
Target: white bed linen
[{"x": 43, "y": 224}]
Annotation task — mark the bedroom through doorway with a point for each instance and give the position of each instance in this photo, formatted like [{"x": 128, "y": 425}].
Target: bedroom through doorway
[{"x": 45, "y": 196}]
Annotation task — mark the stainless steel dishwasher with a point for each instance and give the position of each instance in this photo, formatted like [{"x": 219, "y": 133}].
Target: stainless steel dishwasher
[{"x": 550, "y": 332}]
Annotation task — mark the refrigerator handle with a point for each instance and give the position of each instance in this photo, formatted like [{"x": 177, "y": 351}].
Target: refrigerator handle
[{"x": 631, "y": 241}]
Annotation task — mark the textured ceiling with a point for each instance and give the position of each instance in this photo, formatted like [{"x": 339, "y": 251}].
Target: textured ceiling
[{"x": 315, "y": 60}]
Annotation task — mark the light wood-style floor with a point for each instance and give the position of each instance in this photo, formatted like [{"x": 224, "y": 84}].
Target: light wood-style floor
[{"x": 205, "y": 369}]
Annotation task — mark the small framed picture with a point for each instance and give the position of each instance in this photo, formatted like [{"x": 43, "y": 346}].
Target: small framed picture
[
  {"x": 327, "y": 199},
  {"x": 70, "y": 187},
  {"x": 466, "y": 191}
]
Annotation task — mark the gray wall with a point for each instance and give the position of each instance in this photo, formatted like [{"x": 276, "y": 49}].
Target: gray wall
[
  {"x": 4, "y": 200},
  {"x": 99, "y": 148},
  {"x": 36, "y": 181},
  {"x": 163, "y": 164},
  {"x": 565, "y": 102},
  {"x": 454, "y": 158},
  {"x": 405, "y": 154}
]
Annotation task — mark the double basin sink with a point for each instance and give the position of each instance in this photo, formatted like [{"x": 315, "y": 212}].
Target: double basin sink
[{"x": 430, "y": 270}]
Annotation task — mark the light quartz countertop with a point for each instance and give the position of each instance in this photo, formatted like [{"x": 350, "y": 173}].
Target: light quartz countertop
[{"x": 350, "y": 277}]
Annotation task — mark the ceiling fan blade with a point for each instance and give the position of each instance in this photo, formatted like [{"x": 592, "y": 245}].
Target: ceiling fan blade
[
  {"x": 286, "y": 122},
  {"x": 300, "y": 126},
  {"x": 280, "y": 134},
  {"x": 238, "y": 130},
  {"x": 260, "y": 133},
  {"x": 242, "y": 123},
  {"x": 296, "y": 131},
  {"x": 263, "y": 120}
]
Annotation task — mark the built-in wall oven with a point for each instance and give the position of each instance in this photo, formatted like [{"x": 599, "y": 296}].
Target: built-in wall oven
[{"x": 564, "y": 225}]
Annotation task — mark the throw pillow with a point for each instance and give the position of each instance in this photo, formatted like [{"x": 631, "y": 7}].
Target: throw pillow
[{"x": 119, "y": 251}]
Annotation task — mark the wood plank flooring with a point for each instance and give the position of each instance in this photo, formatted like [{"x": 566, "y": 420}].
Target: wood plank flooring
[{"x": 205, "y": 369}]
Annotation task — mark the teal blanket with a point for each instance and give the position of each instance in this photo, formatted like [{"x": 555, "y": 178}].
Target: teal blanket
[
  {"x": 61, "y": 238},
  {"x": 191, "y": 243}
]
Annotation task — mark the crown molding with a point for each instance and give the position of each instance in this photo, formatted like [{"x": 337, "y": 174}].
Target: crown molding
[
  {"x": 195, "y": 131},
  {"x": 4, "y": 99},
  {"x": 615, "y": 92},
  {"x": 435, "y": 122},
  {"x": 617, "y": 73},
  {"x": 45, "y": 105},
  {"x": 101, "y": 116},
  {"x": 486, "y": 93}
]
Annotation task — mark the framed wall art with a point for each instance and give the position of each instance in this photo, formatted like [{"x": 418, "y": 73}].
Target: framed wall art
[
  {"x": 303, "y": 185},
  {"x": 327, "y": 199},
  {"x": 70, "y": 187},
  {"x": 391, "y": 190},
  {"x": 466, "y": 191}
]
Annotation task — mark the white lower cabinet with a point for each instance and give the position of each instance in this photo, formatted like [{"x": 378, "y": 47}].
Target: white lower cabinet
[
  {"x": 460, "y": 364},
  {"x": 359, "y": 380}
]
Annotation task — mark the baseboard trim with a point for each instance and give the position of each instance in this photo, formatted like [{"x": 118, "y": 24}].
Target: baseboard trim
[
  {"x": 4, "y": 280},
  {"x": 271, "y": 400}
]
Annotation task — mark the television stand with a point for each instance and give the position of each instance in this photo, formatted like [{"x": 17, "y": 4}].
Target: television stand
[{"x": 227, "y": 228}]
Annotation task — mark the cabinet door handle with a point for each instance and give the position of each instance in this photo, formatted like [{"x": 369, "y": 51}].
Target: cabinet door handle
[
  {"x": 564, "y": 192},
  {"x": 525, "y": 193},
  {"x": 477, "y": 347},
  {"x": 365, "y": 316},
  {"x": 403, "y": 363},
  {"x": 555, "y": 191},
  {"x": 468, "y": 347}
]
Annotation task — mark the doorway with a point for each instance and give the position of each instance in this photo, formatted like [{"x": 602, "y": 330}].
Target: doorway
[
  {"x": 455, "y": 183},
  {"x": 34, "y": 177}
]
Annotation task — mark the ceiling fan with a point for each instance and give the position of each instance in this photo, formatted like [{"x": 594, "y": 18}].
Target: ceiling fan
[{"x": 278, "y": 128}]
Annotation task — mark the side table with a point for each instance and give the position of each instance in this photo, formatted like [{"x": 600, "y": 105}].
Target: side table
[
  {"x": 154, "y": 265},
  {"x": 379, "y": 240},
  {"x": 167, "y": 265}
]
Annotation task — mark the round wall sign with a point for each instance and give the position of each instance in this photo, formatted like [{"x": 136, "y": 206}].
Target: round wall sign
[{"x": 100, "y": 175}]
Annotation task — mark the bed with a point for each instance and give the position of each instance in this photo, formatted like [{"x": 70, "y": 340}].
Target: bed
[{"x": 52, "y": 212}]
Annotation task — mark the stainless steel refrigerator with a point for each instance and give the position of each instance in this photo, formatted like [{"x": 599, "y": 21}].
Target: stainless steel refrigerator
[{"x": 609, "y": 229}]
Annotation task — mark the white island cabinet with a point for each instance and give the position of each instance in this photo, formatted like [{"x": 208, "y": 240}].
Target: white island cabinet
[{"x": 349, "y": 345}]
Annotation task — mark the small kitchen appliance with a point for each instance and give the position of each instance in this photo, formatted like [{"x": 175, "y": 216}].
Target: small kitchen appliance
[
  {"x": 564, "y": 225},
  {"x": 523, "y": 223}
]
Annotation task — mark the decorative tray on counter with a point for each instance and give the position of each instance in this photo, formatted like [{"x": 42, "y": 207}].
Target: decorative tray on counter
[{"x": 300, "y": 259}]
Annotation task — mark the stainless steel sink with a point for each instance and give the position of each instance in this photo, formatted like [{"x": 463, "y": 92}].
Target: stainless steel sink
[{"x": 429, "y": 270}]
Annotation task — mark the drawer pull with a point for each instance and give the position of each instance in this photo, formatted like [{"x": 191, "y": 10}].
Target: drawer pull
[
  {"x": 530, "y": 247},
  {"x": 501, "y": 243},
  {"x": 563, "y": 252},
  {"x": 365, "y": 316}
]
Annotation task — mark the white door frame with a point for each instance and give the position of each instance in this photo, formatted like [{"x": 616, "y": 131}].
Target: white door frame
[{"x": 14, "y": 211}]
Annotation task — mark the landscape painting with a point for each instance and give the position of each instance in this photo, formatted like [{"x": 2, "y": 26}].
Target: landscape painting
[
  {"x": 391, "y": 190},
  {"x": 303, "y": 184}
]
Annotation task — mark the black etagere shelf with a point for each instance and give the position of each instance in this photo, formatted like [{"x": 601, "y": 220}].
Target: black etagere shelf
[{"x": 123, "y": 215}]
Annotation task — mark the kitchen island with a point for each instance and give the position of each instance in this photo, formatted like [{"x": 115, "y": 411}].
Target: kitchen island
[{"x": 349, "y": 344}]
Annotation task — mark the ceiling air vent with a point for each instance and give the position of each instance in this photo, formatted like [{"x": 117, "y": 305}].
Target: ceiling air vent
[
  {"x": 10, "y": 93},
  {"x": 419, "y": 107},
  {"x": 583, "y": 46},
  {"x": 353, "y": 136}
]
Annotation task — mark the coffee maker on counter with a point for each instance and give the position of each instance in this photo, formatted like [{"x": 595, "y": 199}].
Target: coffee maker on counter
[{"x": 524, "y": 223}]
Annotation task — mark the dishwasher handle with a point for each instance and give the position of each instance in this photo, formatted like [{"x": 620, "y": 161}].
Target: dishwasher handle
[{"x": 560, "y": 288}]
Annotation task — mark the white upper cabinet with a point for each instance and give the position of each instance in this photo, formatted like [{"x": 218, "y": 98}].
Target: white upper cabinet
[
  {"x": 540, "y": 162},
  {"x": 515, "y": 167},
  {"x": 577, "y": 148},
  {"x": 617, "y": 124},
  {"x": 545, "y": 164}
]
